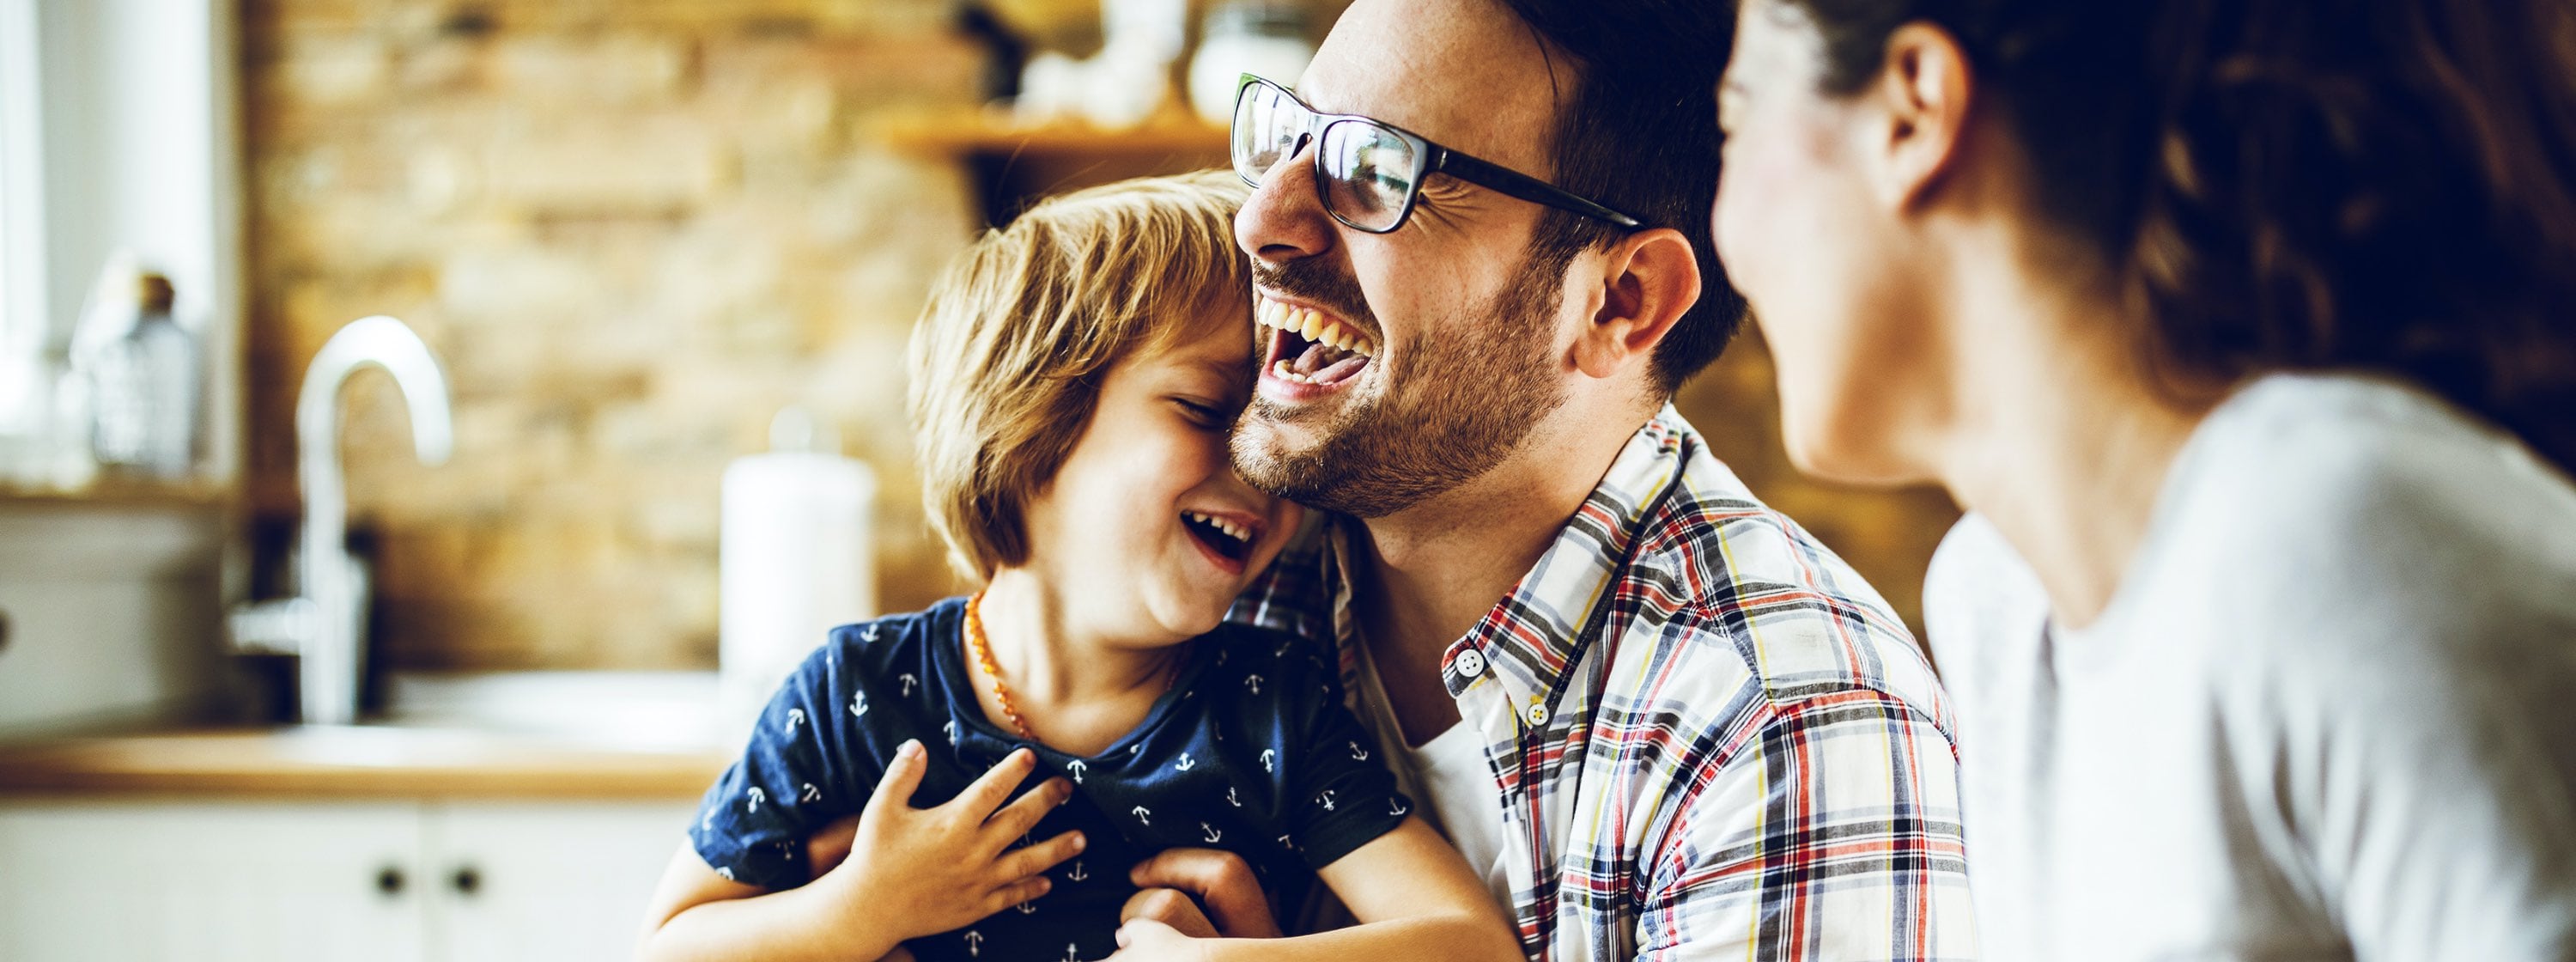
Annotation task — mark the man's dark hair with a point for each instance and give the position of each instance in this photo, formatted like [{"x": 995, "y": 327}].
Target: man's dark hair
[{"x": 1640, "y": 134}]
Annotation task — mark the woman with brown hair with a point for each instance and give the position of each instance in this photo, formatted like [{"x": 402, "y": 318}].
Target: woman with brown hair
[{"x": 2244, "y": 332}]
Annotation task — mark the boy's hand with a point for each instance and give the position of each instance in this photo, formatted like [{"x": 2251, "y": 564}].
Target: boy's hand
[{"x": 933, "y": 870}]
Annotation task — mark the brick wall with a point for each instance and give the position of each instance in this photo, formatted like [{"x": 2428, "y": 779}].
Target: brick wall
[{"x": 633, "y": 229}]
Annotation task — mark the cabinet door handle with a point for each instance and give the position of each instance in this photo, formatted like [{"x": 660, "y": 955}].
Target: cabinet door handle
[
  {"x": 4, "y": 630},
  {"x": 390, "y": 881},
  {"x": 467, "y": 880}
]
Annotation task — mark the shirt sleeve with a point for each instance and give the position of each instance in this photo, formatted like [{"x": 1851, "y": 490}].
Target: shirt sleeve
[
  {"x": 1340, "y": 794},
  {"x": 801, "y": 770},
  {"x": 1831, "y": 833}
]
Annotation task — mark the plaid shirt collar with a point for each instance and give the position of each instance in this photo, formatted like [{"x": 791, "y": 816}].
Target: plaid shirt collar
[{"x": 1528, "y": 641}]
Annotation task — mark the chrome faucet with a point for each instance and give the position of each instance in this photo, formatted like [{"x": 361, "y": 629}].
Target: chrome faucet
[{"x": 325, "y": 624}]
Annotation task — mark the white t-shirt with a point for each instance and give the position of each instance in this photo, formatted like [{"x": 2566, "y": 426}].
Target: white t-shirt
[
  {"x": 1451, "y": 778},
  {"x": 2329, "y": 713}
]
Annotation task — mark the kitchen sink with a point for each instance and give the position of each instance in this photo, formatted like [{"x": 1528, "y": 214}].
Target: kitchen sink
[{"x": 643, "y": 710}]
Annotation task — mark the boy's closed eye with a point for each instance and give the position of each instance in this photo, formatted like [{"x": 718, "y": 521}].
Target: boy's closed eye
[{"x": 1206, "y": 413}]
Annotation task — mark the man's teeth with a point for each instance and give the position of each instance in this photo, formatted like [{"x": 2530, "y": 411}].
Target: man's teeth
[
  {"x": 1231, "y": 529},
  {"x": 1313, "y": 326}
]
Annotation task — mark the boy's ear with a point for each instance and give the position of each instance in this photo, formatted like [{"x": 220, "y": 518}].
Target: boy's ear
[{"x": 1648, "y": 281}]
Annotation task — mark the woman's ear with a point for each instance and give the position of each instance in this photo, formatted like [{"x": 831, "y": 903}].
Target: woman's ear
[
  {"x": 1648, "y": 281},
  {"x": 1924, "y": 89}
]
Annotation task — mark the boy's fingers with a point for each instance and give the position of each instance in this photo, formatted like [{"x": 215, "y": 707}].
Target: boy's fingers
[
  {"x": 1036, "y": 859},
  {"x": 1023, "y": 813},
  {"x": 990, "y": 791},
  {"x": 1016, "y": 893},
  {"x": 902, "y": 776}
]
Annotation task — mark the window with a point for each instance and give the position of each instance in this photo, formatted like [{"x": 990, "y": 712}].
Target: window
[{"x": 23, "y": 326}]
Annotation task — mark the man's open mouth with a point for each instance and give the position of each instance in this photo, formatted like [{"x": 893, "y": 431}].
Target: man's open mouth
[
  {"x": 1310, "y": 347},
  {"x": 1228, "y": 539}
]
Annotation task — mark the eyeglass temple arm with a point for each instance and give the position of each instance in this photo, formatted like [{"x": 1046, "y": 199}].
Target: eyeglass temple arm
[{"x": 1512, "y": 183}]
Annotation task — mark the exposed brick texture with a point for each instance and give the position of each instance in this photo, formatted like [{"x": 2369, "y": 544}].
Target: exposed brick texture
[{"x": 633, "y": 229}]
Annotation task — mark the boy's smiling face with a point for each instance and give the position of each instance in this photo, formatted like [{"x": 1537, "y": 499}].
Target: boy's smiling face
[{"x": 1146, "y": 531}]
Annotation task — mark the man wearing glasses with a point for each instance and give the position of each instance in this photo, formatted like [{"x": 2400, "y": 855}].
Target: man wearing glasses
[{"x": 1660, "y": 718}]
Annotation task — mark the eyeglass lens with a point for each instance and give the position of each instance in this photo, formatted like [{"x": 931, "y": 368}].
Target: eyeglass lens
[{"x": 1368, "y": 170}]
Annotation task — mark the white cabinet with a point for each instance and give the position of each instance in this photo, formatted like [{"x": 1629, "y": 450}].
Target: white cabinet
[
  {"x": 289, "y": 882},
  {"x": 210, "y": 883},
  {"x": 547, "y": 881}
]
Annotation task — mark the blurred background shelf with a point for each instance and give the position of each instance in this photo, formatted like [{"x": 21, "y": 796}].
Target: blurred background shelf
[
  {"x": 971, "y": 133},
  {"x": 1013, "y": 165}
]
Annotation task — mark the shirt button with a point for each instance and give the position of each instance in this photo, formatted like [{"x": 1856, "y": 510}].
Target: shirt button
[
  {"x": 1538, "y": 713},
  {"x": 1469, "y": 664}
]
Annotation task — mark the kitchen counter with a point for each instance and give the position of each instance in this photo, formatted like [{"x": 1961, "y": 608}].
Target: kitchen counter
[{"x": 357, "y": 762}]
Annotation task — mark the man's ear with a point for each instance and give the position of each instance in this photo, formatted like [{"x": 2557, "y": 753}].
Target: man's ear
[
  {"x": 1924, "y": 88},
  {"x": 1649, "y": 279}
]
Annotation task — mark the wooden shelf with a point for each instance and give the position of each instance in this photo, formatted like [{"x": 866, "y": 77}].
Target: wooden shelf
[
  {"x": 109, "y": 492},
  {"x": 965, "y": 133}
]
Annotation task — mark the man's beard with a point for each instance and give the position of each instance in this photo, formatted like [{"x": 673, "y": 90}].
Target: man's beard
[{"x": 1467, "y": 399}]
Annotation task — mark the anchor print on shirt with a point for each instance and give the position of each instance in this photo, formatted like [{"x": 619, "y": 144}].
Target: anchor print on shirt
[
  {"x": 1078, "y": 873},
  {"x": 1075, "y": 768},
  {"x": 1252, "y": 682},
  {"x": 1185, "y": 764},
  {"x": 1027, "y": 908},
  {"x": 795, "y": 717},
  {"x": 1395, "y": 807},
  {"x": 810, "y": 793},
  {"x": 1358, "y": 754},
  {"x": 859, "y": 705},
  {"x": 907, "y": 681},
  {"x": 1208, "y": 833},
  {"x": 1069, "y": 954},
  {"x": 1268, "y": 757},
  {"x": 1230, "y": 799},
  {"x": 1143, "y": 815},
  {"x": 974, "y": 943},
  {"x": 757, "y": 796},
  {"x": 1325, "y": 799},
  {"x": 868, "y": 633},
  {"x": 950, "y": 726}
]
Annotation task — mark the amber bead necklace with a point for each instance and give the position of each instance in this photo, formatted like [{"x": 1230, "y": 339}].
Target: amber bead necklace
[{"x": 982, "y": 649}]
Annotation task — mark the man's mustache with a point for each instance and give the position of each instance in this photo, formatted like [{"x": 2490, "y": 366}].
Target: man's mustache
[{"x": 1308, "y": 279}]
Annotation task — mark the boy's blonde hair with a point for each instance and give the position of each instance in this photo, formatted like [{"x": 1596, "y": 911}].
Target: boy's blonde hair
[{"x": 1008, "y": 357}]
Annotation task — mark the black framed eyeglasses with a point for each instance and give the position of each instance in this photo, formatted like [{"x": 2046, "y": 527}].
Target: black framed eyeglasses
[{"x": 1368, "y": 173}]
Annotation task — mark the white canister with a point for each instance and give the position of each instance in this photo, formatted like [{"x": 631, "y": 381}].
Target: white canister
[
  {"x": 1266, "y": 40},
  {"x": 795, "y": 559}
]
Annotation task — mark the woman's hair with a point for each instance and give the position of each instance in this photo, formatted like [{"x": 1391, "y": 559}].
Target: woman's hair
[
  {"x": 2381, "y": 185},
  {"x": 1008, "y": 357}
]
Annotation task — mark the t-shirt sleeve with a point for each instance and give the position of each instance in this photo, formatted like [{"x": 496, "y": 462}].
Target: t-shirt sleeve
[
  {"x": 802, "y": 769},
  {"x": 1340, "y": 794}
]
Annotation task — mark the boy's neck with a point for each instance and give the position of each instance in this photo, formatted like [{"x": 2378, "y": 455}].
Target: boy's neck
[{"x": 1049, "y": 657}]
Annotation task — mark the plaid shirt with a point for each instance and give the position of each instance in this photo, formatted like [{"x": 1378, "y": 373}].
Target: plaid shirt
[{"x": 1744, "y": 757}]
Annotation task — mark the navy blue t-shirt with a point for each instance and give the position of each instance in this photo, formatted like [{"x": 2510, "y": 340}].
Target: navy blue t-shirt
[{"x": 1251, "y": 751}]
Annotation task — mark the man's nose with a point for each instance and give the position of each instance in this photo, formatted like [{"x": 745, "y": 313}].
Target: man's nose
[{"x": 1284, "y": 218}]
